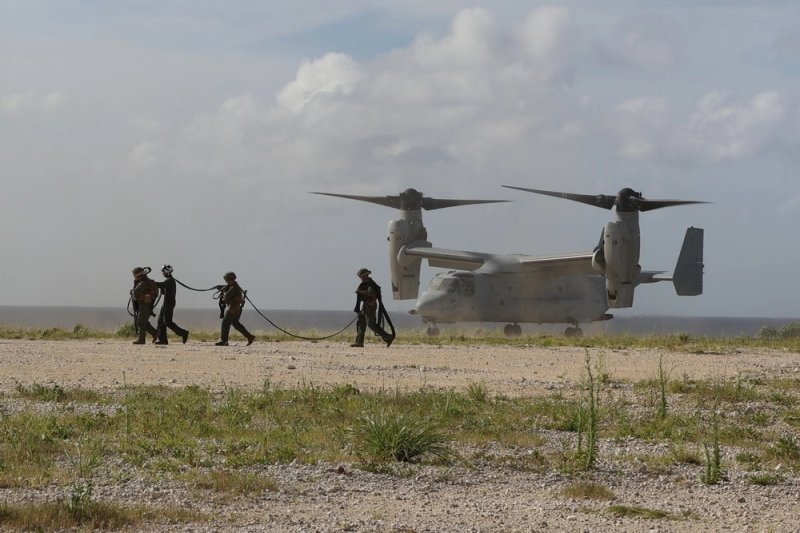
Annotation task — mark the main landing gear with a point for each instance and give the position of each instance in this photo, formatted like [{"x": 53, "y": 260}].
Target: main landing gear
[
  {"x": 432, "y": 331},
  {"x": 573, "y": 332},
  {"x": 512, "y": 330}
]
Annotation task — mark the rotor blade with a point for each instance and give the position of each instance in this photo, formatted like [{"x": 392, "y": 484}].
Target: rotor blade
[
  {"x": 388, "y": 201},
  {"x": 599, "y": 200},
  {"x": 436, "y": 203},
  {"x": 410, "y": 199},
  {"x": 643, "y": 204}
]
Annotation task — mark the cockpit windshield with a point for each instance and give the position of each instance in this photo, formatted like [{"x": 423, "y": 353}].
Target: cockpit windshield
[
  {"x": 450, "y": 285},
  {"x": 453, "y": 283}
]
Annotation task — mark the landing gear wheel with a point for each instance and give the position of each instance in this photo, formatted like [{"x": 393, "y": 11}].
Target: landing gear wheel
[
  {"x": 517, "y": 330},
  {"x": 433, "y": 331},
  {"x": 512, "y": 330},
  {"x": 573, "y": 333}
]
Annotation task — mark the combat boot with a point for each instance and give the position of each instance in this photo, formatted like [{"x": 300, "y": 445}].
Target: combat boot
[{"x": 161, "y": 335}]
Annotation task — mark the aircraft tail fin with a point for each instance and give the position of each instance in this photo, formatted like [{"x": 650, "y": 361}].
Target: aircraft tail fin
[{"x": 688, "y": 275}]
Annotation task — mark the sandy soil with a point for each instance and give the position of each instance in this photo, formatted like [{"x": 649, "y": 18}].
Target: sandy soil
[
  {"x": 487, "y": 498},
  {"x": 515, "y": 371}
]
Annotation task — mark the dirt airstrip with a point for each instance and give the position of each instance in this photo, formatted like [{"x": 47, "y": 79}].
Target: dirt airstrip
[
  {"x": 516, "y": 371},
  {"x": 484, "y": 498}
]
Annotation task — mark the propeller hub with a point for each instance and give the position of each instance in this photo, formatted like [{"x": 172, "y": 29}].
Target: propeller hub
[
  {"x": 411, "y": 200},
  {"x": 626, "y": 200}
]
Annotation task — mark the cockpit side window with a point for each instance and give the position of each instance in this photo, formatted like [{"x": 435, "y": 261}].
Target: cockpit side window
[{"x": 468, "y": 286}]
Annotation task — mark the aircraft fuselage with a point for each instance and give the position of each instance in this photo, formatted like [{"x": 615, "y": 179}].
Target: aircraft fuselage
[{"x": 458, "y": 296}]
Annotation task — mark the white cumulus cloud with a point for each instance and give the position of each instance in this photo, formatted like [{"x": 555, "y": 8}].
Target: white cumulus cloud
[
  {"x": 721, "y": 129},
  {"x": 19, "y": 102},
  {"x": 333, "y": 74},
  {"x": 648, "y": 41},
  {"x": 641, "y": 122}
]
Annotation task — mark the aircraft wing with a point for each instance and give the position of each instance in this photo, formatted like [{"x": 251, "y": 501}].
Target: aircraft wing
[
  {"x": 559, "y": 265},
  {"x": 443, "y": 258}
]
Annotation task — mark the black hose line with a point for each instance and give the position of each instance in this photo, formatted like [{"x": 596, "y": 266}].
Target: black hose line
[
  {"x": 264, "y": 316},
  {"x": 214, "y": 288},
  {"x": 292, "y": 334},
  {"x": 385, "y": 315}
]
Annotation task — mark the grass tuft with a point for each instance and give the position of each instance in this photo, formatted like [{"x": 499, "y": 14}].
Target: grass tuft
[
  {"x": 764, "y": 480},
  {"x": 588, "y": 490},
  {"x": 477, "y": 391},
  {"x": 390, "y": 437}
]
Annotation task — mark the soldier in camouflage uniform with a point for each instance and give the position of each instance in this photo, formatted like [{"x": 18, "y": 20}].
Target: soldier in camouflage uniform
[
  {"x": 233, "y": 298},
  {"x": 368, "y": 293},
  {"x": 144, "y": 294}
]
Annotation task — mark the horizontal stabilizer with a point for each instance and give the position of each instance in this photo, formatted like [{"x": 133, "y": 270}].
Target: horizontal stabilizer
[{"x": 649, "y": 276}]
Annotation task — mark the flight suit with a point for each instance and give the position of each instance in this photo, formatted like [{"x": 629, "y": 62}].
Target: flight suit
[{"x": 168, "y": 289}]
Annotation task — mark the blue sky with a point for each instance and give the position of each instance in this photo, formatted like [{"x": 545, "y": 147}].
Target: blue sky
[{"x": 142, "y": 133}]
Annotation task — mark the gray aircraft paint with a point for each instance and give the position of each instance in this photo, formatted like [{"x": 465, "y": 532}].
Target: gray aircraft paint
[{"x": 572, "y": 289}]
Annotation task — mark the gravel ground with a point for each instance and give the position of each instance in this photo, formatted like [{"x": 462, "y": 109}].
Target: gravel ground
[{"x": 486, "y": 497}]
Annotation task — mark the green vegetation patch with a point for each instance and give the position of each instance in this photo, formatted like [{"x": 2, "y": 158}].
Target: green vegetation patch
[
  {"x": 785, "y": 337},
  {"x": 63, "y": 434},
  {"x": 56, "y": 393},
  {"x": 633, "y": 511},
  {"x": 89, "y": 516},
  {"x": 230, "y": 482}
]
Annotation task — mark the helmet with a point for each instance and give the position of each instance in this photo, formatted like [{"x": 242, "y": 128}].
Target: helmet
[
  {"x": 166, "y": 270},
  {"x": 362, "y": 271},
  {"x": 229, "y": 276},
  {"x": 137, "y": 270}
]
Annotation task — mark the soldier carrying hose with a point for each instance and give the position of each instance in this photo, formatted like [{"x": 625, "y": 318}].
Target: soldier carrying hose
[
  {"x": 233, "y": 297},
  {"x": 144, "y": 294},
  {"x": 368, "y": 303}
]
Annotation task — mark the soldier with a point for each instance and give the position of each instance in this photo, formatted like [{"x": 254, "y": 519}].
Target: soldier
[
  {"x": 144, "y": 293},
  {"x": 168, "y": 289},
  {"x": 233, "y": 298},
  {"x": 368, "y": 293}
]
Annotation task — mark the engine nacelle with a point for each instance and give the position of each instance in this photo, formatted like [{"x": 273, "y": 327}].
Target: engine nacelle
[
  {"x": 405, "y": 272},
  {"x": 621, "y": 254},
  {"x": 599, "y": 260}
]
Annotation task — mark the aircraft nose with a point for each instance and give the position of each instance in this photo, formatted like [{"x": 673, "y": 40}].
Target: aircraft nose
[{"x": 429, "y": 305}]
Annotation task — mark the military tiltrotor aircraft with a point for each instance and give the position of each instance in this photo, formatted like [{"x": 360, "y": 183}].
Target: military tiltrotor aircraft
[{"x": 564, "y": 289}]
